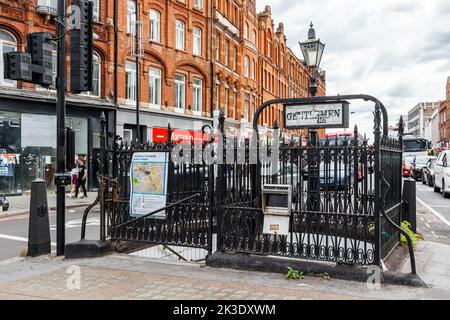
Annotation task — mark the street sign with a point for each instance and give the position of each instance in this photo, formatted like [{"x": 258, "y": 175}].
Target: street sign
[{"x": 319, "y": 115}]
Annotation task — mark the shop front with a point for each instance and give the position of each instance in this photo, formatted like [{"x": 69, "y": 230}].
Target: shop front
[
  {"x": 28, "y": 142},
  {"x": 153, "y": 126}
]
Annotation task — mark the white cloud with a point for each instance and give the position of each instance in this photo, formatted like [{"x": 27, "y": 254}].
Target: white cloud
[{"x": 395, "y": 50}]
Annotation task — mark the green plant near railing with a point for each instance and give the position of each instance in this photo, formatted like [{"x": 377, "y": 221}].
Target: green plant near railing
[
  {"x": 325, "y": 276},
  {"x": 405, "y": 225},
  {"x": 294, "y": 274}
]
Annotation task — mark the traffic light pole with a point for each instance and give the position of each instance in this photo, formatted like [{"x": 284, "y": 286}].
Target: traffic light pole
[
  {"x": 60, "y": 128},
  {"x": 136, "y": 27}
]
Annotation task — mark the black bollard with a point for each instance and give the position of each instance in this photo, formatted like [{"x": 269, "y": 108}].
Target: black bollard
[
  {"x": 39, "y": 226},
  {"x": 409, "y": 199}
]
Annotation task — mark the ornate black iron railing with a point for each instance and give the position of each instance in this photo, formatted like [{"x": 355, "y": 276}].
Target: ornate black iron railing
[{"x": 346, "y": 204}]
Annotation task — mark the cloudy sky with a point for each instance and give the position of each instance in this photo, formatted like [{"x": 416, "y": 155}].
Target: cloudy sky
[{"x": 396, "y": 50}]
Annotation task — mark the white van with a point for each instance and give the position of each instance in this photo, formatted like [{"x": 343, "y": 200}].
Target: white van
[{"x": 442, "y": 174}]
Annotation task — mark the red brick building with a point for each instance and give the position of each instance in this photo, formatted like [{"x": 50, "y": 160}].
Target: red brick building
[
  {"x": 252, "y": 65},
  {"x": 444, "y": 117},
  {"x": 28, "y": 112},
  {"x": 195, "y": 57},
  {"x": 174, "y": 69}
]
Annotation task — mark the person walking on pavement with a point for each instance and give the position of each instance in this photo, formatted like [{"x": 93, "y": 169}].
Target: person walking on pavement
[
  {"x": 81, "y": 180},
  {"x": 74, "y": 175}
]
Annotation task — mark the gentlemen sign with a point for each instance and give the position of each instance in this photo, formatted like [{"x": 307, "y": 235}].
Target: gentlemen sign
[{"x": 320, "y": 115}]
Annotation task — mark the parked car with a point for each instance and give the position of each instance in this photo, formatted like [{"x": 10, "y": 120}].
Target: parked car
[
  {"x": 419, "y": 163},
  {"x": 428, "y": 172},
  {"x": 406, "y": 168},
  {"x": 338, "y": 175},
  {"x": 442, "y": 174}
]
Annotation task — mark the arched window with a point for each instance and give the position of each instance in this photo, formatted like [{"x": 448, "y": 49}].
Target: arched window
[
  {"x": 155, "y": 26},
  {"x": 246, "y": 66},
  {"x": 180, "y": 35},
  {"x": 8, "y": 43},
  {"x": 96, "y": 76},
  {"x": 246, "y": 31},
  {"x": 253, "y": 69},
  {"x": 197, "y": 41},
  {"x": 254, "y": 37}
]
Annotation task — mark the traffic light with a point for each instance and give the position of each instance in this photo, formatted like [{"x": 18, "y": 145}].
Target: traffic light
[
  {"x": 40, "y": 47},
  {"x": 17, "y": 66},
  {"x": 70, "y": 148},
  {"x": 81, "y": 47}
]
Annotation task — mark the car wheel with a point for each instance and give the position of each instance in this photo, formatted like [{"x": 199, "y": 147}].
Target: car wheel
[
  {"x": 436, "y": 189},
  {"x": 424, "y": 178},
  {"x": 444, "y": 194}
]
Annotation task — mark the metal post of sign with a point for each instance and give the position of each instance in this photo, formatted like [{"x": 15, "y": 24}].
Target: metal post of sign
[{"x": 314, "y": 159}]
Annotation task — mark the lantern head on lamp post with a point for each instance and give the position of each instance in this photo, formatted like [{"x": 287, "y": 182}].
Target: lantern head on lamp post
[{"x": 312, "y": 50}]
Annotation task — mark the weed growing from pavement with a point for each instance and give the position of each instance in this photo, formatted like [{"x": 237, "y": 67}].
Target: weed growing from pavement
[
  {"x": 405, "y": 225},
  {"x": 294, "y": 274}
]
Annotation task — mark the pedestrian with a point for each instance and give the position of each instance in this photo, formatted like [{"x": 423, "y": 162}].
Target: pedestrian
[
  {"x": 81, "y": 179},
  {"x": 74, "y": 175}
]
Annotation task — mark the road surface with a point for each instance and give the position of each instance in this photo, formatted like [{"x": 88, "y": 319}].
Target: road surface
[
  {"x": 433, "y": 219},
  {"x": 14, "y": 230}
]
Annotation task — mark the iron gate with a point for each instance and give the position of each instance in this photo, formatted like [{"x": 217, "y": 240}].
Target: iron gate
[
  {"x": 346, "y": 196},
  {"x": 188, "y": 213}
]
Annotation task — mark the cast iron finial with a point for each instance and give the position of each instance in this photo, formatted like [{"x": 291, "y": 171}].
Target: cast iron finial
[
  {"x": 276, "y": 125},
  {"x": 311, "y": 32}
]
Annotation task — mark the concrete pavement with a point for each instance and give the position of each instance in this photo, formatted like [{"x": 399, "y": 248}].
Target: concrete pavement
[{"x": 130, "y": 277}]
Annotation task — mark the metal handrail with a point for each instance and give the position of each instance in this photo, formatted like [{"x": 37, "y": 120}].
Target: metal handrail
[
  {"x": 159, "y": 210},
  {"x": 85, "y": 215},
  {"x": 400, "y": 229}
]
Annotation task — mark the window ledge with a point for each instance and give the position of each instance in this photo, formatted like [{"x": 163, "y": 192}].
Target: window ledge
[
  {"x": 178, "y": 110},
  {"x": 155, "y": 42}
]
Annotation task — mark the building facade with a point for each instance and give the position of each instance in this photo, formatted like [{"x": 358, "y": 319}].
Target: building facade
[
  {"x": 444, "y": 118},
  {"x": 174, "y": 67},
  {"x": 28, "y": 112},
  {"x": 253, "y": 64},
  {"x": 196, "y": 57},
  {"x": 419, "y": 116}
]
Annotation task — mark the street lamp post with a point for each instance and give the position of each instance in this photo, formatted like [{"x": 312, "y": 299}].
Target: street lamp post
[{"x": 312, "y": 50}]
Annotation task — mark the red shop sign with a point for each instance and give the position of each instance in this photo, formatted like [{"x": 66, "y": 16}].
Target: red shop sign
[{"x": 160, "y": 135}]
